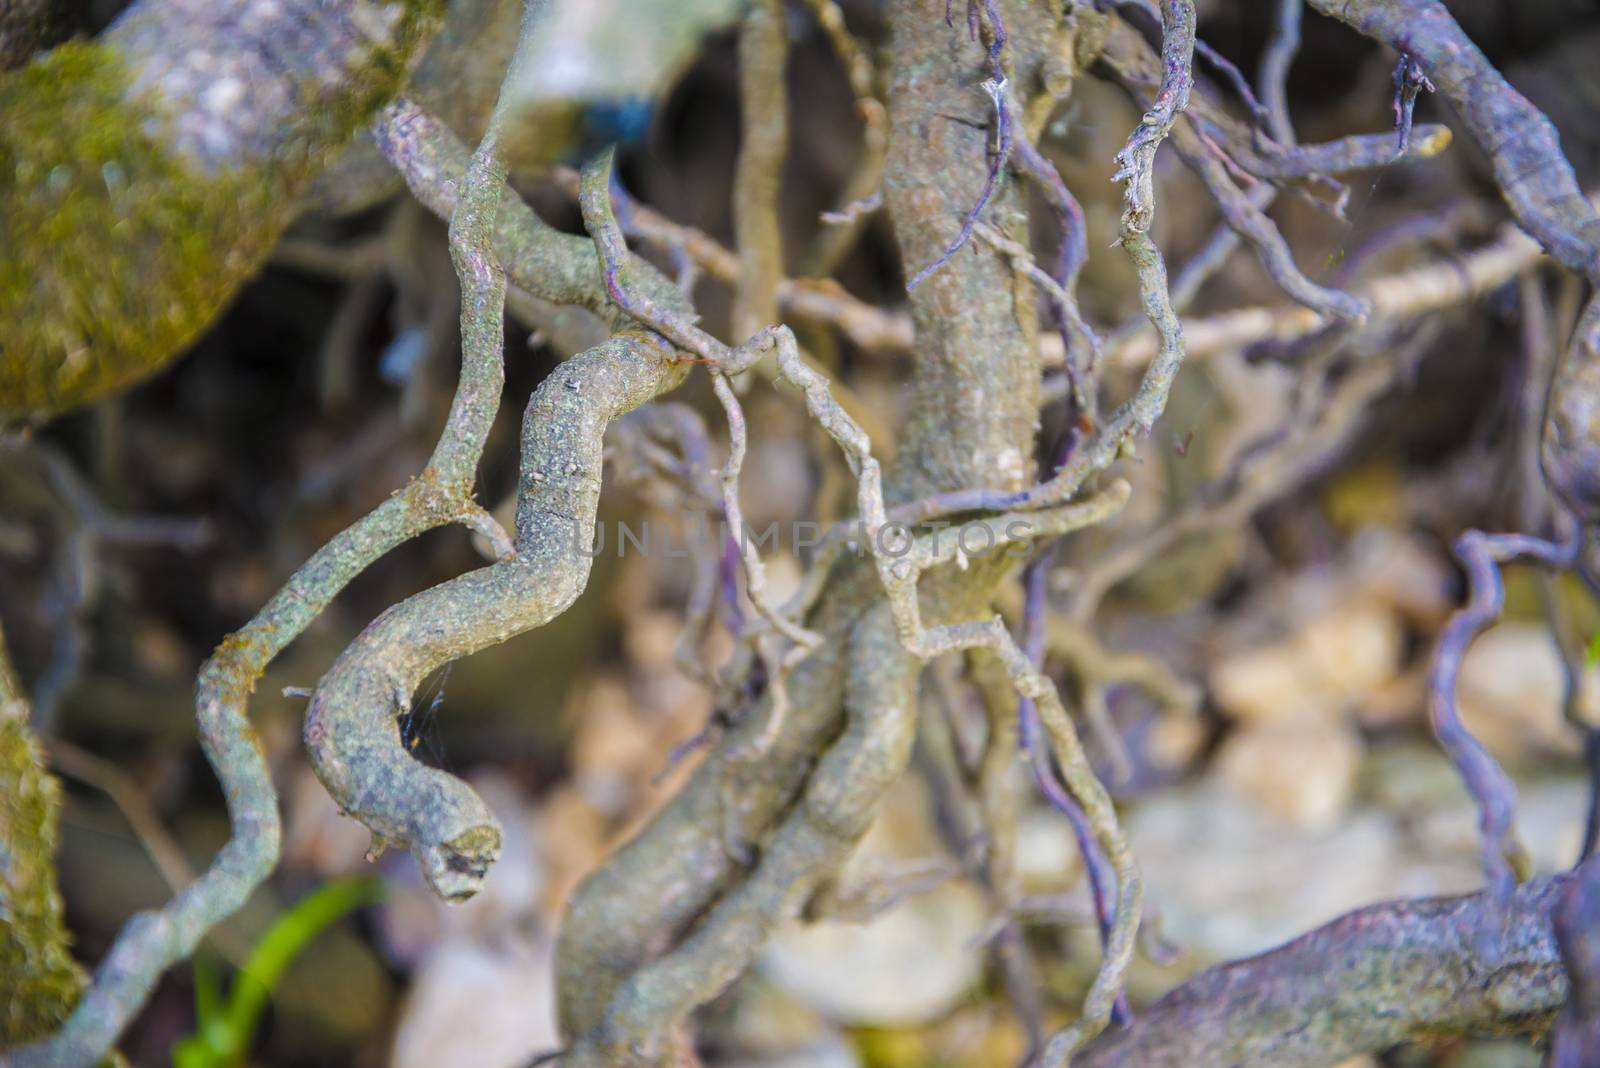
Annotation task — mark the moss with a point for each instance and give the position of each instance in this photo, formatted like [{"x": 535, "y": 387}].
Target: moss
[
  {"x": 39, "y": 976},
  {"x": 118, "y": 254},
  {"x": 372, "y": 84},
  {"x": 40, "y": 979},
  {"x": 119, "y": 251}
]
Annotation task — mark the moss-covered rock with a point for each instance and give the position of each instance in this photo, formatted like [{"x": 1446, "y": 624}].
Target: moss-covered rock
[
  {"x": 130, "y": 215},
  {"x": 117, "y": 253}
]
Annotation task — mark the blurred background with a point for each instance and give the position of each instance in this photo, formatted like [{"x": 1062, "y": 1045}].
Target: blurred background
[{"x": 136, "y": 534}]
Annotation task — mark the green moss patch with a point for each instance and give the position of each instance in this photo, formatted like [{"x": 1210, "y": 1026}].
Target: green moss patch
[{"x": 116, "y": 254}]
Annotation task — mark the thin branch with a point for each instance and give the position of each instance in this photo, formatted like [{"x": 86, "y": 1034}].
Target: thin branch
[
  {"x": 1102, "y": 878},
  {"x": 351, "y": 728},
  {"x": 1393, "y": 298},
  {"x": 130, "y": 799},
  {"x": 1128, "y": 54},
  {"x": 1534, "y": 177},
  {"x": 1347, "y": 155},
  {"x": 1568, "y": 461},
  {"x": 1233, "y": 76},
  {"x": 763, "y": 142},
  {"x": 153, "y": 941},
  {"x": 1136, "y": 161},
  {"x": 1409, "y": 81},
  {"x": 861, "y": 194},
  {"x": 1321, "y": 421},
  {"x": 1504, "y": 859},
  {"x": 1253, "y": 225},
  {"x": 1193, "y": 275},
  {"x": 1276, "y": 59},
  {"x": 1072, "y": 252},
  {"x": 815, "y": 299}
]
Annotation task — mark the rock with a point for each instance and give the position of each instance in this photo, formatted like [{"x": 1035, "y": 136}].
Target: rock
[
  {"x": 1341, "y": 639},
  {"x": 1510, "y": 693},
  {"x": 1303, "y": 773},
  {"x": 650, "y": 637},
  {"x": 1403, "y": 572},
  {"x": 621, "y": 744},
  {"x": 831, "y": 1052},
  {"x": 1550, "y": 817},
  {"x": 1418, "y": 784},
  {"x": 1326, "y": 667},
  {"x": 759, "y": 1024},
  {"x": 1411, "y": 778},
  {"x": 1232, "y": 879},
  {"x": 1265, "y": 683},
  {"x": 573, "y": 838},
  {"x": 474, "y": 1005},
  {"x": 483, "y": 992},
  {"x": 1504, "y": 1053},
  {"x": 1048, "y": 860},
  {"x": 1354, "y": 649},
  {"x": 1172, "y": 743},
  {"x": 910, "y": 964},
  {"x": 1400, "y": 702}
]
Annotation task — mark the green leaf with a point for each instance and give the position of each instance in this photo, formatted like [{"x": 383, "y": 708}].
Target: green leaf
[{"x": 223, "y": 1035}]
